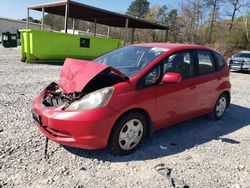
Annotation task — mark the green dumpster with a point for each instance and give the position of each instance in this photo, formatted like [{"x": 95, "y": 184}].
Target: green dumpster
[
  {"x": 47, "y": 46},
  {"x": 9, "y": 40}
]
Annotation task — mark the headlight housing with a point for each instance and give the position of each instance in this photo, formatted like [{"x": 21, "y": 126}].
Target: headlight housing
[{"x": 96, "y": 99}]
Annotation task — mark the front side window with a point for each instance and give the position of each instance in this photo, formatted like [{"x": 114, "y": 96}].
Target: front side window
[
  {"x": 130, "y": 60},
  {"x": 152, "y": 76},
  {"x": 206, "y": 64},
  {"x": 180, "y": 62}
]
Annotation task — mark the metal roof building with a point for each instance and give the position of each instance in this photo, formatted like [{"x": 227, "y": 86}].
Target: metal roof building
[{"x": 75, "y": 10}]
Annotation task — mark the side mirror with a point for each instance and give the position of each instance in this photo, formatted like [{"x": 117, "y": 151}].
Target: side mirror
[{"x": 171, "y": 77}]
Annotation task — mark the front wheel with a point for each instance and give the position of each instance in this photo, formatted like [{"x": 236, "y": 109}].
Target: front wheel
[
  {"x": 220, "y": 107},
  {"x": 128, "y": 133}
]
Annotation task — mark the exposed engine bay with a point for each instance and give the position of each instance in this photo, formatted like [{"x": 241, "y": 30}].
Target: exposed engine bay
[{"x": 54, "y": 95}]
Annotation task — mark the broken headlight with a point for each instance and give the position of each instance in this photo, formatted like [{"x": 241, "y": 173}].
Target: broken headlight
[{"x": 93, "y": 100}]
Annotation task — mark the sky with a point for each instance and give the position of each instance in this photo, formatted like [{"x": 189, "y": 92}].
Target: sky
[{"x": 17, "y": 9}]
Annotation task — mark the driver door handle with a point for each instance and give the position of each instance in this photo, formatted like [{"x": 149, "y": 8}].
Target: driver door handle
[{"x": 192, "y": 87}]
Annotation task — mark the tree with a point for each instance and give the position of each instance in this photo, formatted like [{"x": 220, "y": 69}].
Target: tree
[
  {"x": 54, "y": 21},
  {"x": 245, "y": 24},
  {"x": 191, "y": 19},
  {"x": 156, "y": 14},
  {"x": 171, "y": 21},
  {"x": 138, "y": 8},
  {"x": 236, "y": 5},
  {"x": 31, "y": 20},
  {"x": 213, "y": 5},
  {"x": 162, "y": 14}
]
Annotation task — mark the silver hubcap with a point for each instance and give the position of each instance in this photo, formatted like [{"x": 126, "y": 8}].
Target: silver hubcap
[
  {"x": 131, "y": 134},
  {"x": 221, "y": 106}
]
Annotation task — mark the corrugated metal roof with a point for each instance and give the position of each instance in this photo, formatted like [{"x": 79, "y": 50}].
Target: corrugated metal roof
[{"x": 90, "y": 13}]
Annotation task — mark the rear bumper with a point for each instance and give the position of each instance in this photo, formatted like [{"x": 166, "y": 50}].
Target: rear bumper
[{"x": 89, "y": 129}]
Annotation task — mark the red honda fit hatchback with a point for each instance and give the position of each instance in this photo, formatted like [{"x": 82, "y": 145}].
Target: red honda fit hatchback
[{"x": 123, "y": 96}]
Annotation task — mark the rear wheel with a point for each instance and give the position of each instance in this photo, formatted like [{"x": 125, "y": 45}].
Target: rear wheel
[
  {"x": 128, "y": 133},
  {"x": 220, "y": 107}
]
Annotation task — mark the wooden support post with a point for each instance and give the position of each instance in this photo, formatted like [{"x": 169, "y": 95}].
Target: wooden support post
[
  {"x": 95, "y": 28},
  {"x": 73, "y": 26},
  {"x": 132, "y": 36},
  {"x": 108, "y": 33},
  {"x": 166, "y": 36},
  {"x": 42, "y": 24},
  {"x": 27, "y": 21},
  {"x": 66, "y": 18},
  {"x": 126, "y": 32}
]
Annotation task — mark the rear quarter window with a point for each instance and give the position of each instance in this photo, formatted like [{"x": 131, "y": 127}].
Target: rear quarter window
[
  {"x": 220, "y": 60},
  {"x": 206, "y": 63}
]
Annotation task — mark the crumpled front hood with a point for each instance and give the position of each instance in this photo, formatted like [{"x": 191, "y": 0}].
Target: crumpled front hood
[{"x": 76, "y": 74}]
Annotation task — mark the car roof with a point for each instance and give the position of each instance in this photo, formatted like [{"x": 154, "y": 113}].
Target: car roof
[{"x": 173, "y": 46}]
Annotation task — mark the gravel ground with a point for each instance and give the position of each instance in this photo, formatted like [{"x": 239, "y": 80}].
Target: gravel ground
[{"x": 196, "y": 153}]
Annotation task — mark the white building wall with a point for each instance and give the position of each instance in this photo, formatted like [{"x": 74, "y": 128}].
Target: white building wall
[{"x": 9, "y": 25}]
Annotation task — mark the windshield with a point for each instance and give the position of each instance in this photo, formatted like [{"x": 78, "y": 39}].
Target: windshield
[
  {"x": 130, "y": 60},
  {"x": 244, "y": 55}
]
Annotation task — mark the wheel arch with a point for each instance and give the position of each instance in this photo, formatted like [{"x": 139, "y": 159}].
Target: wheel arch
[
  {"x": 227, "y": 93},
  {"x": 150, "y": 126}
]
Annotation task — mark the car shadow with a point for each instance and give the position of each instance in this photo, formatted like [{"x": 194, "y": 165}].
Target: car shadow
[
  {"x": 178, "y": 138},
  {"x": 240, "y": 71}
]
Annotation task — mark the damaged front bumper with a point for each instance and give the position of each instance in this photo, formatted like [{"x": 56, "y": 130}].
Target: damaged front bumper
[{"x": 88, "y": 129}]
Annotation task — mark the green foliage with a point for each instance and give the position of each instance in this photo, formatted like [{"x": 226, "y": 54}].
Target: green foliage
[
  {"x": 54, "y": 21},
  {"x": 162, "y": 14},
  {"x": 138, "y": 8},
  {"x": 171, "y": 20},
  {"x": 31, "y": 20}
]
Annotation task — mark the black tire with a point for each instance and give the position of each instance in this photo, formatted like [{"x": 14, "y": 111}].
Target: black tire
[
  {"x": 215, "y": 115},
  {"x": 132, "y": 117}
]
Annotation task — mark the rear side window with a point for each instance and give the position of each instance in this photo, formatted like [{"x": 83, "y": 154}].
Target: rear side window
[
  {"x": 220, "y": 60},
  {"x": 206, "y": 64}
]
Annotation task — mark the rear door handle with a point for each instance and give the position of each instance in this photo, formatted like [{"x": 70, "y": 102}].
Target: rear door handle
[{"x": 192, "y": 87}]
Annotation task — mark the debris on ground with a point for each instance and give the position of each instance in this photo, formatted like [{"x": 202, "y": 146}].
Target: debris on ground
[
  {"x": 167, "y": 172},
  {"x": 163, "y": 147}
]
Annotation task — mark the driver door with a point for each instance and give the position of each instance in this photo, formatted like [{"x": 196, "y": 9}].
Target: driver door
[{"x": 176, "y": 102}]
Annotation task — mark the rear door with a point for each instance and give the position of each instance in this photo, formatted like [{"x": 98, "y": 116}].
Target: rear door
[{"x": 208, "y": 79}]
